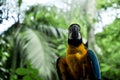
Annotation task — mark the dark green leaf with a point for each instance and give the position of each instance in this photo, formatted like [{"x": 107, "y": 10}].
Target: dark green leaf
[
  {"x": 22, "y": 71},
  {"x": 27, "y": 78}
]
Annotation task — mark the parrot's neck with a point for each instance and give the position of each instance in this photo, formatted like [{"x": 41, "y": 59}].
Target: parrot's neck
[
  {"x": 73, "y": 49},
  {"x": 75, "y": 42}
]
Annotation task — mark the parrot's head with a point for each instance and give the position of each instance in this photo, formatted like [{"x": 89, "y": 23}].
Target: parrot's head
[{"x": 74, "y": 35}]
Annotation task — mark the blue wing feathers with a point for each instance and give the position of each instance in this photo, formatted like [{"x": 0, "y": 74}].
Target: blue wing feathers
[{"x": 95, "y": 64}]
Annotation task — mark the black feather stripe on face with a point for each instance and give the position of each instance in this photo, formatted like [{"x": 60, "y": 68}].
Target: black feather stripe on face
[{"x": 75, "y": 42}]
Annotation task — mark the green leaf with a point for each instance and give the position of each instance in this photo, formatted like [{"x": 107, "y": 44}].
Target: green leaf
[
  {"x": 22, "y": 71},
  {"x": 27, "y": 78},
  {"x": 13, "y": 77},
  {"x": 105, "y": 68},
  {"x": 34, "y": 72}
]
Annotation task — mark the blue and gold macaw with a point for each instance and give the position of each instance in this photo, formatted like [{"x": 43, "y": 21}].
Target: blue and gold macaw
[{"x": 79, "y": 63}]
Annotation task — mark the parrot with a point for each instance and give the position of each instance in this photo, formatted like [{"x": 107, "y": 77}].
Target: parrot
[{"x": 79, "y": 63}]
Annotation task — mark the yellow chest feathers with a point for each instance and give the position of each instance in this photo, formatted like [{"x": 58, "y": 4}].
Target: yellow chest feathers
[
  {"x": 76, "y": 53},
  {"x": 75, "y": 58}
]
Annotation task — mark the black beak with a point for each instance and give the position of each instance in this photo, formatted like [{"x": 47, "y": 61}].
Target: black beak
[
  {"x": 74, "y": 36},
  {"x": 74, "y": 32}
]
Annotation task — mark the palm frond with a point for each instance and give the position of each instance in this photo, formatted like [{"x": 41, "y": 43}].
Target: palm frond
[
  {"x": 51, "y": 31},
  {"x": 33, "y": 46},
  {"x": 59, "y": 37}
]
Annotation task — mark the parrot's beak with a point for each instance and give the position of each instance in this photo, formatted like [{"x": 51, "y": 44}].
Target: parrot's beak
[
  {"x": 74, "y": 32},
  {"x": 74, "y": 36}
]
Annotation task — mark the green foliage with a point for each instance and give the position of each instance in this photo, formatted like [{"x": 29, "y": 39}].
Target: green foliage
[
  {"x": 44, "y": 15},
  {"x": 34, "y": 42},
  {"x": 27, "y": 73},
  {"x": 106, "y": 3},
  {"x": 103, "y": 4},
  {"x": 5, "y": 49},
  {"x": 61, "y": 45},
  {"x": 22, "y": 71},
  {"x": 3, "y": 52},
  {"x": 108, "y": 40},
  {"x": 41, "y": 40},
  {"x": 35, "y": 45}
]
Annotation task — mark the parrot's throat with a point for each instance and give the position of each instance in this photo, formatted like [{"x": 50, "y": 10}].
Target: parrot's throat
[{"x": 74, "y": 42}]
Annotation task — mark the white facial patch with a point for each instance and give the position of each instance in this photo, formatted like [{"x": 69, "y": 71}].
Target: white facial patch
[
  {"x": 79, "y": 36},
  {"x": 70, "y": 36}
]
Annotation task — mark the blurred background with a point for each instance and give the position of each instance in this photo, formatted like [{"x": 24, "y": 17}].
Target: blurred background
[{"x": 33, "y": 34}]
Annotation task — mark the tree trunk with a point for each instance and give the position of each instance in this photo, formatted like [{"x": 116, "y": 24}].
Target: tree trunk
[{"x": 90, "y": 16}]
